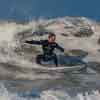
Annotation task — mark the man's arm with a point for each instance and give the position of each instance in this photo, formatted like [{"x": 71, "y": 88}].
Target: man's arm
[
  {"x": 34, "y": 42},
  {"x": 59, "y": 47}
]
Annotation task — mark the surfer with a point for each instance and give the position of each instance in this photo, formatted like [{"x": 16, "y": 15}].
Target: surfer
[{"x": 48, "y": 47}]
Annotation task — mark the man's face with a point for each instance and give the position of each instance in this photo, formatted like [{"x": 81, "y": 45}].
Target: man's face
[{"x": 52, "y": 39}]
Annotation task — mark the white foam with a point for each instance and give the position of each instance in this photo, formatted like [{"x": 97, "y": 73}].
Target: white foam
[
  {"x": 49, "y": 95},
  {"x": 62, "y": 95}
]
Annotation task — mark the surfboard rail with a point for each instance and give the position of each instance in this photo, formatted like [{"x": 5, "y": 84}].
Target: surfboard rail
[{"x": 58, "y": 69}]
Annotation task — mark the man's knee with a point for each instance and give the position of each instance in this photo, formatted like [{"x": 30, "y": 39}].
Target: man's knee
[{"x": 39, "y": 58}]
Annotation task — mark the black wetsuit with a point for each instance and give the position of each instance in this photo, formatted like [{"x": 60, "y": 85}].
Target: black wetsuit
[{"x": 48, "y": 51}]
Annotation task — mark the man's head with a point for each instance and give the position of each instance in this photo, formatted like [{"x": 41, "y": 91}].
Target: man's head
[{"x": 51, "y": 37}]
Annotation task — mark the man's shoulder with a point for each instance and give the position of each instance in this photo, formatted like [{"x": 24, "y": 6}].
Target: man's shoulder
[{"x": 54, "y": 44}]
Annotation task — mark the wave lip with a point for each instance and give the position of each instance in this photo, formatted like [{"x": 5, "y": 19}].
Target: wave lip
[{"x": 12, "y": 35}]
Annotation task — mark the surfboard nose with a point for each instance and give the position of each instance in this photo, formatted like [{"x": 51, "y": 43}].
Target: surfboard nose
[{"x": 70, "y": 60}]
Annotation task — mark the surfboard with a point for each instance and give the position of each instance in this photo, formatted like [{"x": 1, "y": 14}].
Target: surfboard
[{"x": 60, "y": 69}]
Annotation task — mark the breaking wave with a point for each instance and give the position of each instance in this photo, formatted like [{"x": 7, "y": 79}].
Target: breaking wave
[{"x": 15, "y": 63}]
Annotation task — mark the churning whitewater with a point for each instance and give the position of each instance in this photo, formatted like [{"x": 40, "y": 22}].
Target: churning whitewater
[{"x": 19, "y": 81}]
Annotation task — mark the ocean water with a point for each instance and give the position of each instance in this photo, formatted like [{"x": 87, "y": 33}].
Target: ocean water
[
  {"x": 18, "y": 81},
  {"x": 27, "y": 10}
]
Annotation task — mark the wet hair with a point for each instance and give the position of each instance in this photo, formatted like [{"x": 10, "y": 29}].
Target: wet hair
[{"x": 51, "y": 35}]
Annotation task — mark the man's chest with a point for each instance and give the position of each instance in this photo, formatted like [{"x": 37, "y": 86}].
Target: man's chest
[{"x": 49, "y": 46}]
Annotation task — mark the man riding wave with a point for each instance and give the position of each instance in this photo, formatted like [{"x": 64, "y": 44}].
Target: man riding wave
[{"x": 48, "y": 47}]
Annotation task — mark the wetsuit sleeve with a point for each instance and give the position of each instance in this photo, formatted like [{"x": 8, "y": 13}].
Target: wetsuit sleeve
[
  {"x": 59, "y": 47},
  {"x": 34, "y": 42}
]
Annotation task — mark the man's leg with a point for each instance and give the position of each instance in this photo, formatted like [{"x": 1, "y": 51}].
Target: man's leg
[
  {"x": 54, "y": 58},
  {"x": 39, "y": 58}
]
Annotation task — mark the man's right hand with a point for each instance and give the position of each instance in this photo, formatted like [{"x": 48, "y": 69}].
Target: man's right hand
[{"x": 26, "y": 41}]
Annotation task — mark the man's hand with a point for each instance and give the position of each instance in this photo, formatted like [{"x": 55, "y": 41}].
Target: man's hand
[
  {"x": 26, "y": 41},
  {"x": 29, "y": 42}
]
